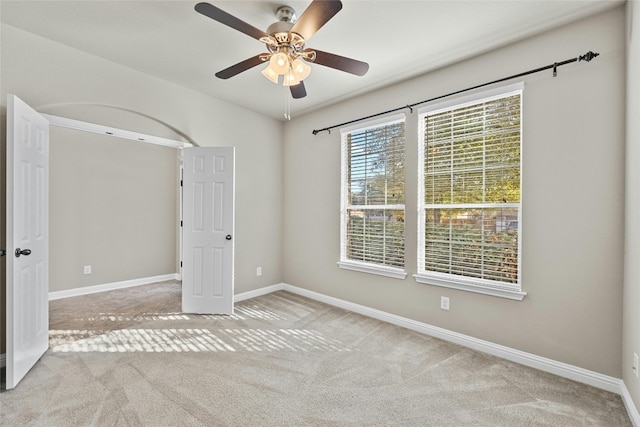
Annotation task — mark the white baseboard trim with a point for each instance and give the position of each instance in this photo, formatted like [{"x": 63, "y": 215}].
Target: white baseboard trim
[
  {"x": 632, "y": 410},
  {"x": 257, "y": 292},
  {"x": 3, "y": 360},
  {"x": 565, "y": 370},
  {"x": 67, "y": 293}
]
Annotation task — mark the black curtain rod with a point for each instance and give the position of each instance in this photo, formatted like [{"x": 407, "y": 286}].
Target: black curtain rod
[{"x": 586, "y": 57}]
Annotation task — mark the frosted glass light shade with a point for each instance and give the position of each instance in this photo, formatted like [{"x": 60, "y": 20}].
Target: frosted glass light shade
[
  {"x": 279, "y": 62},
  {"x": 301, "y": 69},
  {"x": 290, "y": 79},
  {"x": 270, "y": 74}
]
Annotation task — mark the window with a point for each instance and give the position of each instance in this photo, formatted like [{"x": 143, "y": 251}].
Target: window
[
  {"x": 469, "y": 204},
  {"x": 372, "y": 206}
]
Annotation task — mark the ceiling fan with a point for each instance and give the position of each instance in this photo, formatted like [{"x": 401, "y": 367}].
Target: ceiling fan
[{"x": 285, "y": 42}]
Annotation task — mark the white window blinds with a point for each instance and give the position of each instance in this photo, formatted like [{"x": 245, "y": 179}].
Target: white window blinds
[
  {"x": 373, "y": 186},
  {"x": 469, "y": 207}
]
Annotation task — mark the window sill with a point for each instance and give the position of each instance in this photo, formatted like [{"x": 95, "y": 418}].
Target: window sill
[
  {"x": 395, "y": 273},
  {"x": 470, "y": 287}
]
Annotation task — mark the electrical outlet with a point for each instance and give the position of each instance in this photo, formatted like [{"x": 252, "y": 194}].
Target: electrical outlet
[
  {"x": 259, "y": 271},
  {"x": 444, "y": 303},
  {"x": 87, "y": 269},
  {"x": 635, "y": 364}
]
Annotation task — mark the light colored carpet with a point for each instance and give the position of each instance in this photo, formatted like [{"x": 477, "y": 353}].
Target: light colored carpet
[{"x": 130, "y": 358}]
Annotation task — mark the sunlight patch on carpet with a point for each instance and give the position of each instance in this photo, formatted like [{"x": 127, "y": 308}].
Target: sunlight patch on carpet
[
  {"x": 137, "y": 340},
  {"x": 282, "y": 339},
  {"x": 242, "y": 312},
  {"x": 190, "y": 340}
]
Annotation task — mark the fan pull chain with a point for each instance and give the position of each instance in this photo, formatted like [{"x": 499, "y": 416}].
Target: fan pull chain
[{"x": 287, "y": 103}]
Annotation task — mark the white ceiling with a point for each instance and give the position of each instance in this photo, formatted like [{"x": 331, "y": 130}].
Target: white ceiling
[{"x": 399, "y": 39}]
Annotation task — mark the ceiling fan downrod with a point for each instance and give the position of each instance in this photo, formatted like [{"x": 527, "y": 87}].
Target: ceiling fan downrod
[{"x": 286, "y": 14}]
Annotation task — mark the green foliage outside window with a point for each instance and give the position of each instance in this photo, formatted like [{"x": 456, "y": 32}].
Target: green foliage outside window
[
  {"x": 472, "y": 190},
  {"x": 375, "y": 184}
]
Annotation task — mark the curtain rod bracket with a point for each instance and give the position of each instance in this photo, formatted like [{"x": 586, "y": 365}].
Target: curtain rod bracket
[
  {"x": 410, "y": 108},
  {"x": 555, "y": 69}
]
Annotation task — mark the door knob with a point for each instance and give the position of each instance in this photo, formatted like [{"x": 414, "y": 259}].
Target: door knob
[
  {"x": 228, "y": 237},
  {"x": 24, "y": 252}
]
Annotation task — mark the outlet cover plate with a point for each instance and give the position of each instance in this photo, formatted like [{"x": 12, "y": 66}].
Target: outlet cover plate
[
  {"x": 87, "y": 269},
  {"x": 444, "y": 303}
]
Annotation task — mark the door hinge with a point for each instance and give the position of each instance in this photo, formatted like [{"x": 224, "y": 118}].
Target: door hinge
[
  {"x": 180, "y": 263},
  {"x": 180, "y": 223},
  {"x": 180, "y": 183}
]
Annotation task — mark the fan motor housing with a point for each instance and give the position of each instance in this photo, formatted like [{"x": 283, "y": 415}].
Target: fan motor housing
[{"x": 279, "y": 27}]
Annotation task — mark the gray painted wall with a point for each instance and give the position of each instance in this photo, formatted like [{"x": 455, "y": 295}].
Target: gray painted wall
[
  {"x": 573, "y": 201},
  {"x": 112, "y": 206},
  {"x": 631, "y": 306},
  {"x": 58, "y": 80}
]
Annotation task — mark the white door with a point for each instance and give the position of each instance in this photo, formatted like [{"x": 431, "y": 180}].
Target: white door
[
  {"x": 208, "y": 227},
  {"x": 27, "y": 238}
]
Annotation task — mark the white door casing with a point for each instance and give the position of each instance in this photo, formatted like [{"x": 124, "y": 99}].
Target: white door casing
[
  {"x": 208, "y": 230},
  {"x": 27, "y": 304}
]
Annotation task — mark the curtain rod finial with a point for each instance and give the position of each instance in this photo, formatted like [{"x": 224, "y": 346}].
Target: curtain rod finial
[{"x": 588, "y": 56}]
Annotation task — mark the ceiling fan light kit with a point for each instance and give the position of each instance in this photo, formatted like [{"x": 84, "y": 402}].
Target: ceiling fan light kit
[
  {"x": 286, "y": 49},
  {"x": 270, "y": 74},
  {"x": 285, "y": 42}
]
